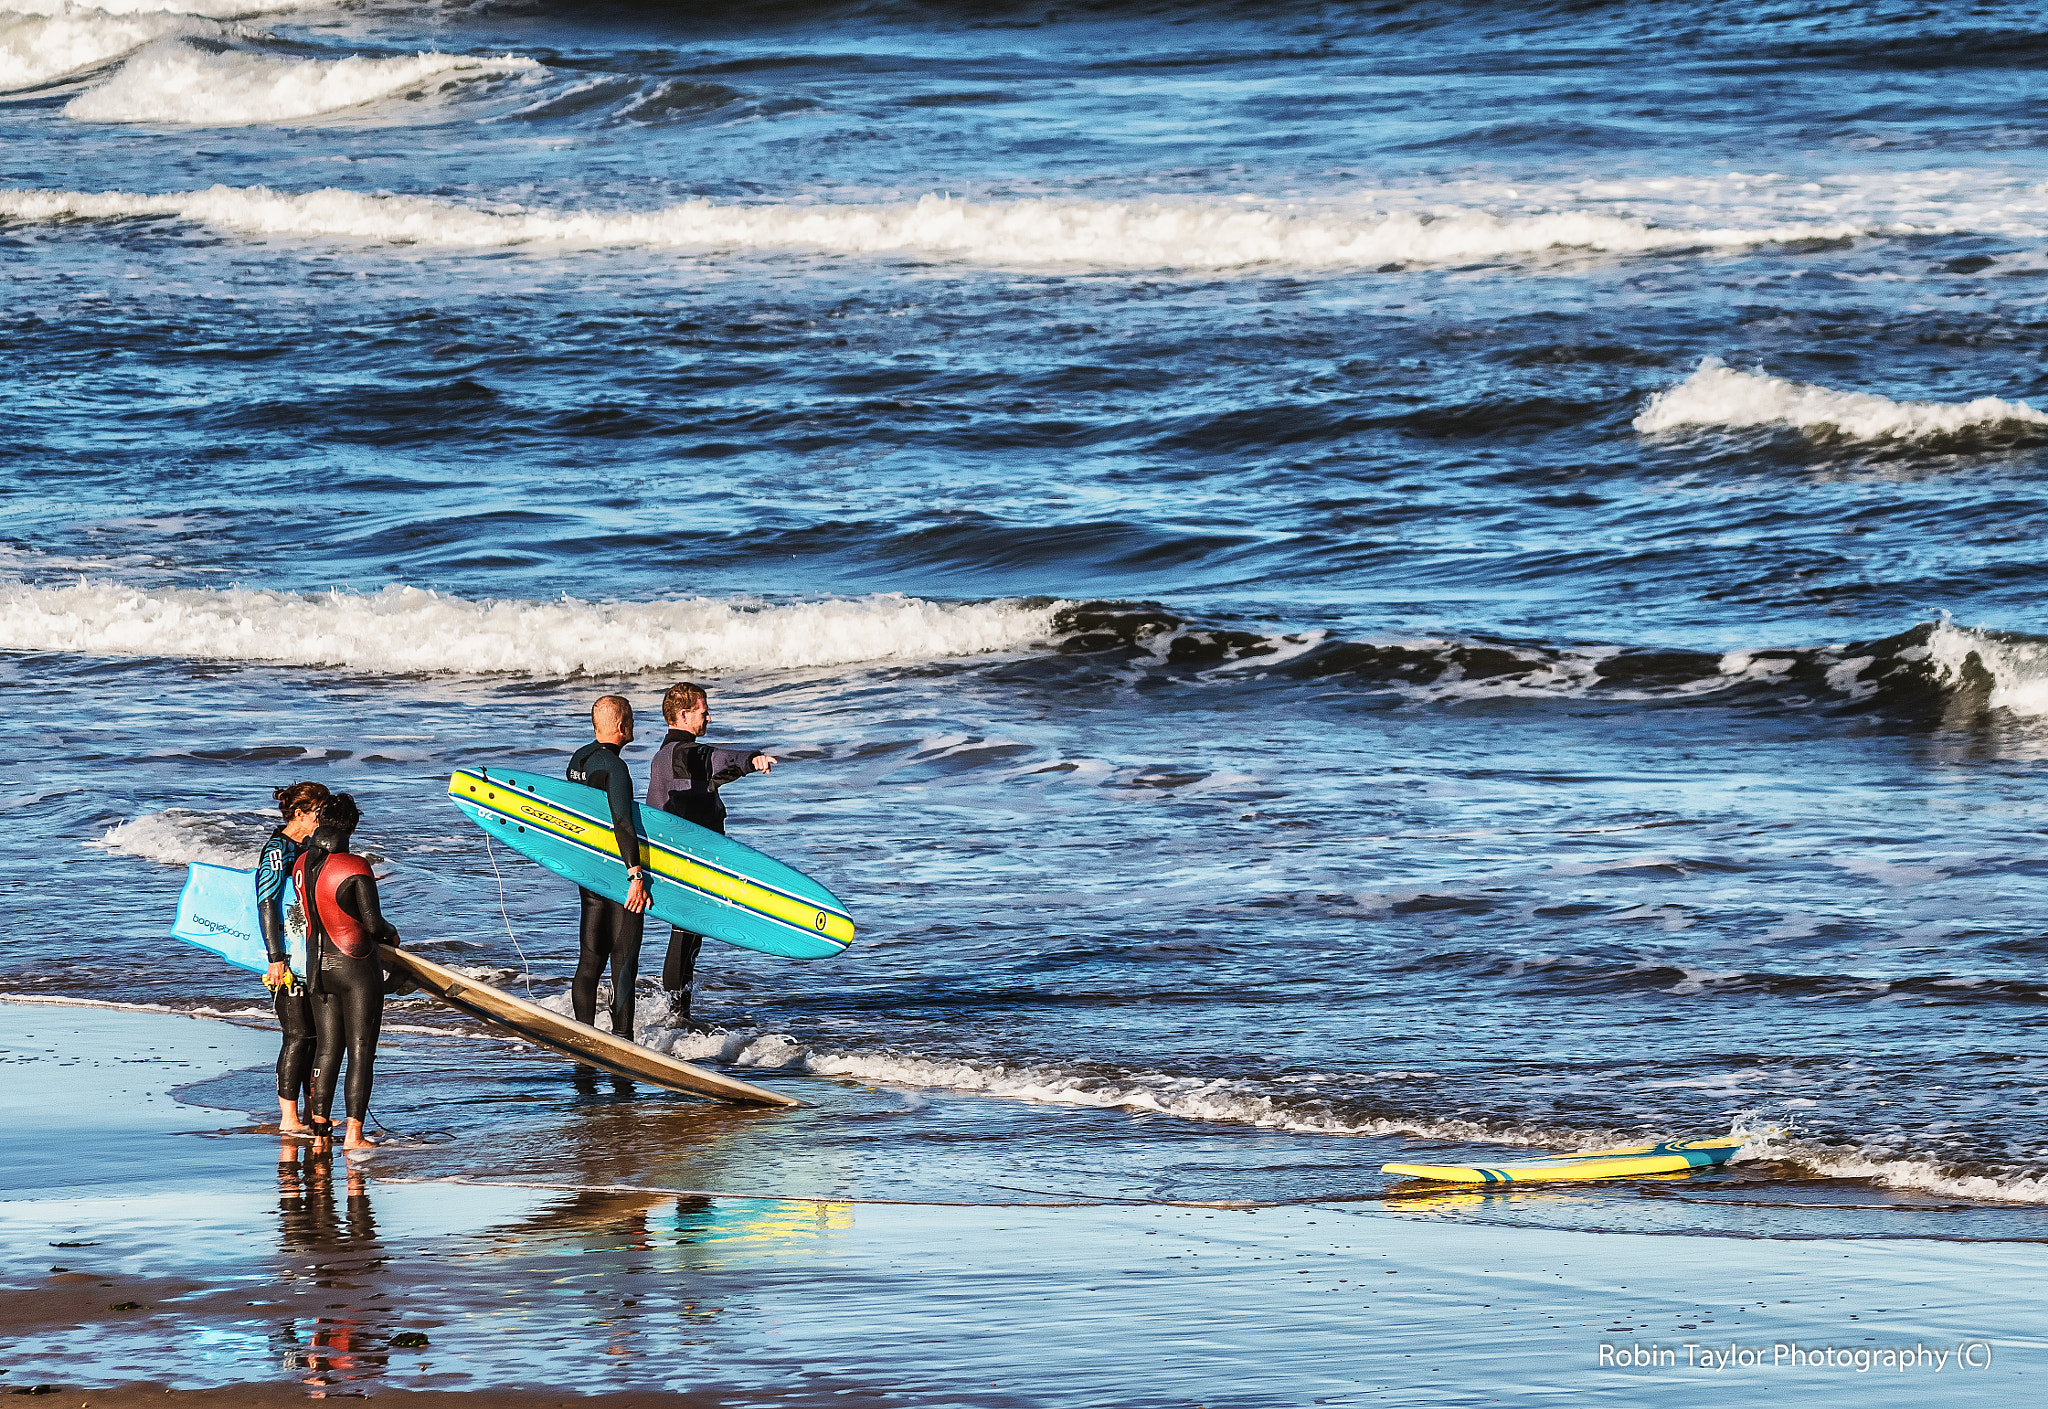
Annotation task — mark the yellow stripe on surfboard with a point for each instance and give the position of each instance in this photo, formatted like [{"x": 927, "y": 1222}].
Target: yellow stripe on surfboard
[
  {"x": 1675, "y": 1157},
  {"x": 663, "y": 860}
]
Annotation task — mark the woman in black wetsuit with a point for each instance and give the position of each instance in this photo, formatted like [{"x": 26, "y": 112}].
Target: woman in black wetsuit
[
  {"x": 344, "y": 927},
  {"x": 300, "y": 803}
]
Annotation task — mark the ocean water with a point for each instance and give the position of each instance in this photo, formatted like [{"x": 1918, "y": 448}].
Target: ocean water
[{"x": 1333, "y": 583}]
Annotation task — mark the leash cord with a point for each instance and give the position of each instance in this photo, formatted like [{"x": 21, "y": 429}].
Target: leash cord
[{"x": 525, "y": 968}]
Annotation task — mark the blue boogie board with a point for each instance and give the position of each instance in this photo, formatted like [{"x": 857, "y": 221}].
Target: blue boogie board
[
  {"x": 217, "y": 911},
  {"x": 698, "y": 879}
]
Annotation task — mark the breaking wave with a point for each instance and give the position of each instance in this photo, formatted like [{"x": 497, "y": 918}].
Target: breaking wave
[
  {"x": 180, "y": 836},
  {"x": 1103, "y": 234},
  {"x": 1919, "y": 1176},
  {"x": 171, "y": 81},
  {"x": 1718, "y": 395},
  {"x": 404, "y": 630},
  {"x": 36, "y": 48},
  {"x": 1936, "y": 666}
]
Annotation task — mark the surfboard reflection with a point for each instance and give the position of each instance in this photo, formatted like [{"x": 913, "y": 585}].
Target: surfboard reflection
[{"x": 698, "y": 1233}]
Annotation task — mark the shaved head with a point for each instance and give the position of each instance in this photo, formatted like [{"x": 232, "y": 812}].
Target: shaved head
[{"x": 612, "y": 715}]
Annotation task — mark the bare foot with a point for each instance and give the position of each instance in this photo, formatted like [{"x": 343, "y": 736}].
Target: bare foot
[
  {"x": 355, "y": 1139},
  {"x": 288, "y": 1122}
]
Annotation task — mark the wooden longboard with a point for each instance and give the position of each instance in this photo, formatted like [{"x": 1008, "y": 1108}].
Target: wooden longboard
[{"x": 569, "y": 1037}]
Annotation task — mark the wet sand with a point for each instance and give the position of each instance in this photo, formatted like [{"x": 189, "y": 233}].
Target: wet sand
[{"x": 157, "y": 1244}]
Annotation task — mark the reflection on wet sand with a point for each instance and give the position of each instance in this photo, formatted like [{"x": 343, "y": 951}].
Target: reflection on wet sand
[
  {"x": 629, "y": 1268},
  {"x": 337, "y": 1252},
  {"x": 697, "y": 1232},
  {"x": 1422, "y": 1196}
]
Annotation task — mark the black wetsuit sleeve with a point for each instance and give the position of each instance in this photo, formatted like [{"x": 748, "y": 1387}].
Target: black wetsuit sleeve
[
  {"x": 725, "y": 765},
  {"x": 618, "y": 788},
  {"x": 270, "y": 914},
  {"x": 358, "y": 896},
  {"x": 271, "y": 879}
]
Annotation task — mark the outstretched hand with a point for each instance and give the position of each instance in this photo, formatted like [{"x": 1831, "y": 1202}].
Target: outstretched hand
[{"x": 763, "y": 762}]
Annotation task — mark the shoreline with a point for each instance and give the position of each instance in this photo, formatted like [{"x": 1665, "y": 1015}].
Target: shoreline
[
  {"x": 1847, "y": 1195},
  {"x": 233, "y": 1269}
]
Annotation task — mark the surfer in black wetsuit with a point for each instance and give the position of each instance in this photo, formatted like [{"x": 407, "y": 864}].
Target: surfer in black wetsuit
[
  {"x": 610, "y": 931},
  {"x": 344, "y": 926},
  {"x": 300, "y": 804},
  {"x": 684, "y": 780}
]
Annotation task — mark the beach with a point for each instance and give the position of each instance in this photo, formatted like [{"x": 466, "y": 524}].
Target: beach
[
  {"x": 240, "y": 1266},
  {"x": 1328, "y": 586}
]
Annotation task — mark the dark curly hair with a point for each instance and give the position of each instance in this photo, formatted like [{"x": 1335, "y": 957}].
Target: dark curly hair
[
  {"x": 295, "y": 798},
  {"x": 340, "y": 812}
]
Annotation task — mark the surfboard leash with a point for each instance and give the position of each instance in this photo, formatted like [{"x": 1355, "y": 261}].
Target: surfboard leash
[
  {"x": 525, "y": 968},
  {"x": 422, "y": 1138}
]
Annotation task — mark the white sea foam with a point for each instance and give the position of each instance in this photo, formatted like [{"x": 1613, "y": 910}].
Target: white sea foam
[
  {"x": 2018, "y": 669},
  {"x": 42, "y": 1000},
  {"x": 180, "y": 836},
  {"x": 1235, "y": 1102},
  {"x": 1105, "y": 234},
  {"x": 1238, "y": 1102},
  {"x": 171, "y": 81},
  {"x": 1718, "y": 395},
  {"x": 401, "y": 630},
  {"x": 215, "y": 9},
  {"x": 35, "y": 48},
  {"x": 1915, "y": 1175}
]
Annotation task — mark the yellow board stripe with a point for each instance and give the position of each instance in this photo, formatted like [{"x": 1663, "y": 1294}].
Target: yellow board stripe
[{"x": 714, "y": 881}]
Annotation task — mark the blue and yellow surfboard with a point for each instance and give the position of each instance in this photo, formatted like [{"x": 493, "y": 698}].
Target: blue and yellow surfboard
[
  {"x": 699, "y": 880},
  {"x": 1672, "y": 1157}
]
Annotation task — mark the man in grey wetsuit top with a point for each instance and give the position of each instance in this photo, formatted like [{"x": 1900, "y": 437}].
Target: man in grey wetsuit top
[
  {"x": 610, "y": 931},
  {"x": 684, "y": 780}
]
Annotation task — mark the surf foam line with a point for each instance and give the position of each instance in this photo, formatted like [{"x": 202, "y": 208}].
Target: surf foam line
[
  {"x": 1220, "y": 1100},
  {"x": 1103, "y": 234},
  {"x": 408, "y": 630},
  {"x": 174, "y": 82},
  {"x": 1719, "y": 396},
  {"x": 215, "y": 9},
  {"x": 1238, "y": 1103}
]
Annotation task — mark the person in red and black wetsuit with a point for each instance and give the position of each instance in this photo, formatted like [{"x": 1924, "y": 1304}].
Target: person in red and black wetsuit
[
  {"x": 611, "y": 931},
  {"x": 684, "y": 781},
  {"x": 344, "y": 927}
]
